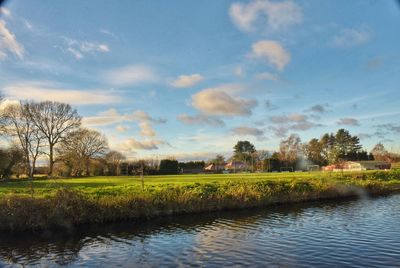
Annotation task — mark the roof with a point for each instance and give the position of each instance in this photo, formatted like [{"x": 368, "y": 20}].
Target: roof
[{"x": 370, "y": 162}]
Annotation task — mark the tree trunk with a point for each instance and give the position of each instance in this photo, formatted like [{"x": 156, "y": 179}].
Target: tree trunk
[
  {"x": 32, "y": 171},
  {"x": 88, "y": 167},
  {"x": 51, "y": 160}
]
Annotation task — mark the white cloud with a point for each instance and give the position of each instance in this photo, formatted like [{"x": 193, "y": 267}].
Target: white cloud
[
  {"x": 4, "y": 104},
  {"x": 107, "y": 32},
  {"x": 140, "y": 115},
  {"x": 121, "y": 128},
  {"x": 76, "y": 53},
  {"x": 272, "y": 52},
  {"x": 216, "y": 101},
  {"x": 130, "y": 75},
  {"x": 279, "y": 15},
  {"x": 103, "y": 47},
  {"x": 351, "y": 37},
  {"x": 112, "y": 116},
  {"x": 131, "y": 144},
  {"x": 79, "y": 48},
  {"x": 4, "y": 11},
  {"x": 200, "y": 119},
  {"x": 266, "y": 76},
  {"x": 45, "y": 91},
  {"x": 146, "y": 129},
  {"x": 247, "y": 131},
  {"x": 9, "y": 43},
  {"x": 184, "y": 81}
]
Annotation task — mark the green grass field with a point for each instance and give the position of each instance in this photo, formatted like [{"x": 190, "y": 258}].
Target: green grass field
[
  {"x": 102, "y": 186},
  {"x": 46, "y": 203}
]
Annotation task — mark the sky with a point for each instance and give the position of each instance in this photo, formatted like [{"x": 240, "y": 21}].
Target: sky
[{"x": 189, "y": 79}]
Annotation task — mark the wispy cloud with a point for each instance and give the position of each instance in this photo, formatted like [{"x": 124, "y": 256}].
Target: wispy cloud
[
  {"x": 47, "y": 91},
  {"x": 121, "y": 128},
  {"x": 270, "y": 106},
  {"x": 348, "y": 121},
  {"x": 132, "y": 144},
  {"x": 266, "y": 76},
  {"x": 351, "y": 37},
  {"x": 272, "y": 52},
  {"x": 201, "y": 119},
  {"x": 9, "y": 43},
  {"x": 284, "y": 123},
  {"x": 5, "y": 11},
  {"x": 112, "y": 116},
  {"x": 184, "y": 81},
  {"x": 247, "y": 131},
  {"x": 318, "y": 109},
  {"x": 79, "y": 48},
  {"x": 130, "y": 75},
  {"x": 269, "y": 15}
]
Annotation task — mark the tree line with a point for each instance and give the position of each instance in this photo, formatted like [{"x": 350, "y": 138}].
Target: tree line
[
  {"x": 53, "y": 130},
  {"x": 293, "y": 154}
]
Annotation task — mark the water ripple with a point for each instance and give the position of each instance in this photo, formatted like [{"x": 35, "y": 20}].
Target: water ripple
[{"x": 361, "y": 233}]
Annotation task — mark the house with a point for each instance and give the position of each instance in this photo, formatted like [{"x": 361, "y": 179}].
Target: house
[
  {"x": 214, "y": 168},
  {"x": 366, "y": 165},
  {"x": 358, "y": 166},
  {"x": 236, "y": 166}
]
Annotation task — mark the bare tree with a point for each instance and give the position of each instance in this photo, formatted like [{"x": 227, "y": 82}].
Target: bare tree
[
  {"x": 54, "y": 120},
  {"x": 114, "y": 160},
  {"x": 81, "y": 146},
  {"x": 289, "y": 149},
  {"x": 18, "y": 124}
]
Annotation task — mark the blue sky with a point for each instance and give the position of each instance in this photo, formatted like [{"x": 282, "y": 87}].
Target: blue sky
[{"x": 190, "y": 78}]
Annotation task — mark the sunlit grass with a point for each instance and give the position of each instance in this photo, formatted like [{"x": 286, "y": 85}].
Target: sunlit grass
[
  {"x": 99, "y": 186},
  {"x": 65, "y": 202}
]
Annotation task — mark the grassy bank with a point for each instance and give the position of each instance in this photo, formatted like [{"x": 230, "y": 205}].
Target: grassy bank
[{"x": 67, "y": 202}]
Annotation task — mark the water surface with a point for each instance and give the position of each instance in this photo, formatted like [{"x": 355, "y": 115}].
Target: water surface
[{"x": 356, "y": 233}]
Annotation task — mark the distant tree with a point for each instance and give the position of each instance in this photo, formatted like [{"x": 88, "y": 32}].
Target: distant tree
[
  {"x": 191, "y": 165},
  {"x": 20, "y": 126},
  {"x": 379, "y": 152},
  {"x": 259, "y": 158},
  {"x": 113, "y": 160},
  {"x": 328, "y": 154},
  {"x": 290, "y": 149},
  {"x": 338, "y": 148},
  {"x": 346, "y": 146},
  {"x": 81, "y": 146},
  {"x": 273, "y": 163},
  {"x": 54, "y": 120},
  {"x": 243, "y": 151},
  {"x": 314, "y": 152},
  {"x": 10, "y": 158},
  {"x": 218, "y": 160},
  {"x": 168, "y": 166}
]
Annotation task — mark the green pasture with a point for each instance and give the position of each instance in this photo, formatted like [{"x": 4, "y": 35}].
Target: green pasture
[{"x": 101, "y": 186}]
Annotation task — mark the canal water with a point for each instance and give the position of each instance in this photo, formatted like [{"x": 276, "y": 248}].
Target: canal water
[{"x": 352, "y": 233}]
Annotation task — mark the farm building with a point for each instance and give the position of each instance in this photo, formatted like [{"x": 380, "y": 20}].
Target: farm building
[
  {"x": 358, "y": 166},
  {"x": 235, "y": 166},
  {"x": 366, "y": 165},
  {"x": 214, "y": 168}
]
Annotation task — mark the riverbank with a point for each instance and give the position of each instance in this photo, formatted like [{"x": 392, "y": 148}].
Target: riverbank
[{"x": 64, "y": 203}]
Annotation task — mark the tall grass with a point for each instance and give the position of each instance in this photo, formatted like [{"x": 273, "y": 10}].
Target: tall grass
[{"x": 71, "y": 206}]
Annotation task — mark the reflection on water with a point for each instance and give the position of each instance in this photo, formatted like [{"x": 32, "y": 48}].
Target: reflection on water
[{"x": 348, "y": 233}]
